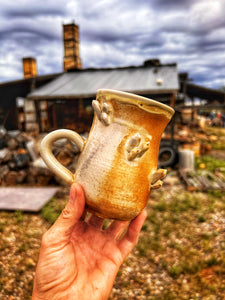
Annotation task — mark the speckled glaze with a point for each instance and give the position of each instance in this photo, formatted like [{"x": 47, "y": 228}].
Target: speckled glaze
[{"x": 117, "y": 166}]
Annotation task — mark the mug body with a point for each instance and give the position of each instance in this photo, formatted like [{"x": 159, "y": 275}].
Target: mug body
[{"x": 117, "y": 163}]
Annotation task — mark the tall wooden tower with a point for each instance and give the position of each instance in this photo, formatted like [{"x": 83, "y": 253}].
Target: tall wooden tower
[{"x": 71, "y": 47}]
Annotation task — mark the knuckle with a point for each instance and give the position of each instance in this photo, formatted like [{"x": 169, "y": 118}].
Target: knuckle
[
  {"x": 49, "y": 238},
  {"x": 45, "y": 239},
  {"x": 66, "y": 213}
]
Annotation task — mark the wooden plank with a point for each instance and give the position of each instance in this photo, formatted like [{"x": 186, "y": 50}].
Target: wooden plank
[
  {"x": 201, "y": 181},
  {"x": 26, "y": 199}
]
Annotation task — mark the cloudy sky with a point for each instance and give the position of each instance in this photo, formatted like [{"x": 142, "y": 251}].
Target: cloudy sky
[{"x": 115, "y": 33}]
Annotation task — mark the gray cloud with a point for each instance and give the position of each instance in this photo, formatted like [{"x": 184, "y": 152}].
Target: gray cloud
[
  {"x": 21, "y": 32},
  {"x": 116, "y": 33},
  {"x": 173, "y": 4},
  {"x": 30, "y": 13}
]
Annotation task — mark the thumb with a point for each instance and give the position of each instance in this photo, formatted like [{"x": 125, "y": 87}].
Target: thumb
[{"x": 63, "y": 226}]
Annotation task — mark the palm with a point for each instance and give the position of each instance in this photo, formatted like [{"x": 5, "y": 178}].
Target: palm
[
  {"x": 82, "y": 263},
  {"x": 99, "y": 257}
]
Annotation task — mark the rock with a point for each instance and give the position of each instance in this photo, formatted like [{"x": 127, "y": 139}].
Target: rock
[
  {"x": 11, "y": 178},
  {"x": 64, "y": 157},
  {"x": 32, "y": 151},
  {"x": 30, "y": 262},
  {"x": 21, "y": 176},
  {"x": 3, "y": 153},
  {"x": 21, "y": 160},
  {"x": 3, "y": 171},
  {"x": 3, "y": 143},
  {"x": 12, "y": 144},
  {"x": 39, "y": 163}
]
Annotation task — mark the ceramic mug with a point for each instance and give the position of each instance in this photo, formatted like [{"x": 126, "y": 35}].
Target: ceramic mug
[{"x": 117, "y": 166}]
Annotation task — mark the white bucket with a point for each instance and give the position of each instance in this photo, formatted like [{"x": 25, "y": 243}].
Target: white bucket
[{"x": 186, "y": 159}]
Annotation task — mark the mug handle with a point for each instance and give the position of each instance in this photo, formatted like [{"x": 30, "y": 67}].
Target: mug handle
[{"x": 46, "y": 152}]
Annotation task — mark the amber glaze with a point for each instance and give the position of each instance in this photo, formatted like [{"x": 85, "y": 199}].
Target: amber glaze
[{"x": 124, "y": 189}]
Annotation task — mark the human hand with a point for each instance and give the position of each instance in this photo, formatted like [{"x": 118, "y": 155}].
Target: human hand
[{"x": 80, "y": 260}]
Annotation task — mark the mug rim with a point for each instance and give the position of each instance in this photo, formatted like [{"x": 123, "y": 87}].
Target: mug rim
[{"x": 130, "y": 96}]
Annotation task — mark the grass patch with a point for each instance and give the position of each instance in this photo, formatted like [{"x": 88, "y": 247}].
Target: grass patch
[
  {"x": 211, "y": 163},
  {"x": 219, "y": 145},
  {"x": 175, "y": 271},
  {"x": 179, "y": 203},
  {"x": 201, "y": 219},
  {"x": 217, "y": 131},
  {"x": 52, "y": 210},
  {"x": 19, "y": 216}
]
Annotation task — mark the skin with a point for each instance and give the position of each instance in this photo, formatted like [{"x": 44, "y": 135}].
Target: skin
[{"x": 80, "y": 260}]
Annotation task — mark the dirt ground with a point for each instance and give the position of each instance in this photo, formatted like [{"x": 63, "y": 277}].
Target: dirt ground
[{"x": 180, "y": 253}]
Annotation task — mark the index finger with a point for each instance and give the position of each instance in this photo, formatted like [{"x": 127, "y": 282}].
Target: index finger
[{"x": 127, "y": 243}]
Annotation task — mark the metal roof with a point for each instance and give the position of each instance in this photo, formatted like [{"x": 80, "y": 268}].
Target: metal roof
[
  {"x": 193, "y": 90},
  {"x": 84, "y": 83}
]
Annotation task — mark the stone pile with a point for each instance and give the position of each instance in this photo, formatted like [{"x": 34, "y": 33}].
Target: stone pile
[{"x": 21, "y": 164}]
